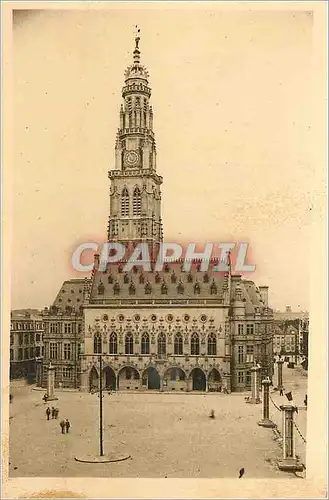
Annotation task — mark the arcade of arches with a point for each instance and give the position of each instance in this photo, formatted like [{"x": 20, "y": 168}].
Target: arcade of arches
[{"x": 172, "y": 379}]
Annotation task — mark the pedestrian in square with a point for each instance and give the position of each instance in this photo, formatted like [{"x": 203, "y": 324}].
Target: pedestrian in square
[
  {"x": 67, "y": 425},
  {"x": 62, "y": 424},
  {"x": 48, "y": 412},
  {"x": 281, "y": 391},
  {"x": 56, "y": 412},
  {"x": 53, "y": 412}
]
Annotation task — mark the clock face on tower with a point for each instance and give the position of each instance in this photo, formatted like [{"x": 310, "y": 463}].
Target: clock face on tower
[{"x": 131, "y": 158}]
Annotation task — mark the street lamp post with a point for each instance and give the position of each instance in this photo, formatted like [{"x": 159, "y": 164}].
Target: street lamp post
[{"x": 101, "y": 457}]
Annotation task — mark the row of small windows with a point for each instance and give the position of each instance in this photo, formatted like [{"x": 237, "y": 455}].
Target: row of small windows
[
  {"x": 250, "y": 329},
  {"x": 26, "y": 326},
  {"x": 161, "y": 344},
  {"x": 26, "y": 353},
  {"x": 148, "y": 287},
  {"x": 27, "y": 338},
  {"x": 136, "y": 202}
]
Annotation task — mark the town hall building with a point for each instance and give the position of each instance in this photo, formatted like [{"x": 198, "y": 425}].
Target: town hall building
[{"x": 168, "y": 330}]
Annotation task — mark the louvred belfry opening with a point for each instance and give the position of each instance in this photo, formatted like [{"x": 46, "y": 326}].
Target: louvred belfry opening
[{"x": 135, "y": 195}]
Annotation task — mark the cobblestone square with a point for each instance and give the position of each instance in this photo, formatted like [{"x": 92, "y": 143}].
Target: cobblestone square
[{"x": 167, "y": 435}]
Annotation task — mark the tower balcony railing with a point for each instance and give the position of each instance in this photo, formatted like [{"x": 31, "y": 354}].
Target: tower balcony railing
[{"x": 134, "y": 130}]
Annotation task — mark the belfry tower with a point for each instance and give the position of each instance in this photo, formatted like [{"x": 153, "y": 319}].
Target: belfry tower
[{"x": 135, "y": 196}]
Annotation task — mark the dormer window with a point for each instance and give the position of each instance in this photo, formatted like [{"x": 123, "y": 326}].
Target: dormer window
[
  {"x": 180, "y": 288},
  {"x": 132, "y": 289}
]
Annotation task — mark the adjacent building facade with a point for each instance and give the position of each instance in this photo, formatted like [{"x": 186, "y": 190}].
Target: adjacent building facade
[
  {"x": 165, "y": 330},
  {"x": 26, "y": 343},
  {"x": 290, "y": 341}
]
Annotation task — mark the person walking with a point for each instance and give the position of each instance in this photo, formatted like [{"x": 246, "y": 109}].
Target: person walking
[
  {"x": 305, "y": 401},
  {"x": 67, "y": 425},
  {"x": 62, "y": 424},
  {"x": 56, "y": 410},
  {"x": 48, "y": 412},
  {"x": 281, "y": 391},
  {"x": 45, "y": 398},
  {"x": 53, "y": 412}
]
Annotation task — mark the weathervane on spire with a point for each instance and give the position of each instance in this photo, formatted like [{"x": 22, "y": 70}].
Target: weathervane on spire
[{"x": 137, "y": 37}]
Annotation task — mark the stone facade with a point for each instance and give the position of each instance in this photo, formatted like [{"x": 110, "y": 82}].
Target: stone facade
[
  {"x": 26, "y": 343},
  {"x": 63, "y": 324},
  {"x": 167, "y": 330}
]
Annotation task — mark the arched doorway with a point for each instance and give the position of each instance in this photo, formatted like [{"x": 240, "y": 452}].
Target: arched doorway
[
  {"x": 152, "y": 377},
  {"x": 174, "y": 379},
  {"x": 128, "y": 378},
  {"x": 93, "y": 380},
  {"x": 109, "y": 379},
  {"x": 198, "y": 380},
  {"x": 214, "y": 381}
]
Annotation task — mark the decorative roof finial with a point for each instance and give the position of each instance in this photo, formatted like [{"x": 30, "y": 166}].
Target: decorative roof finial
[
  {"x": 137, "y": 37},
  {"x": 136, "y": 51}
]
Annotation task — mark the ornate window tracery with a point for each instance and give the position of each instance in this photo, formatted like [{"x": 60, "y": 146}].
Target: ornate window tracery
[
  {"x": 212, "y": 345},
  {"x": 97, "y": 343},
  {"x": 113, "y": 343},
  {"x": 129, "y": 344},
  {"x": 195, "y": 344},
  {"x": 178, "y": 344},
  {"x": 145, "y": 345},
  {"x": 161, "y": 344}
]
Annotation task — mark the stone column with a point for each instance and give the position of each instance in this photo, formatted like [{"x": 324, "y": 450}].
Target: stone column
[
  {"x": 254, "y": 386},
  {"x": 266, "y": 422},
  {"x": 289, "y": 461},
  {"x": 280, "y": 363},
  {"x": 51, "y": 383},
  {"x": 39, "y": 373}
]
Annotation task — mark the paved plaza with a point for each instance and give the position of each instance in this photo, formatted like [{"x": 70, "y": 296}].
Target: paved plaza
[{"x": 167, "y": 435}]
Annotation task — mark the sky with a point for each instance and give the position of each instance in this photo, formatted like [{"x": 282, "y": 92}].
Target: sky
[{"x": 231, "y": 93}]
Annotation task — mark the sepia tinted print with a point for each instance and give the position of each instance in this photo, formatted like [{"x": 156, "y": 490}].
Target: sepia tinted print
[{"x": 162, "y": 185}]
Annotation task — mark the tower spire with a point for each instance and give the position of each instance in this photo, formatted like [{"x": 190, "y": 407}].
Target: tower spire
[{"x": 137, "y": 51}]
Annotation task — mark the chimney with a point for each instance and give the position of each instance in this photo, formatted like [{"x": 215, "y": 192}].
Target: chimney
[{"x": 264, "y": 294}]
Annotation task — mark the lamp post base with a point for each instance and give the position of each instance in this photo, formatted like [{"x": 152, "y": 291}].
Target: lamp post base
[
  {"x": 253, "y": 401},
  {"x": 98, "y": 459},
  {"x": 52, "y": 398},
  {"x": 267, "y": 423},
  {"x": 290, "y": 465}
]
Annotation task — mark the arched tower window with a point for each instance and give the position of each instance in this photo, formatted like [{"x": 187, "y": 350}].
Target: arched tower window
[
  {"x": 113, "y": 343},
  {"x": 129, "y": 344},
  {"x": 145, "y": 343},
  {"x": 97, "y": 343},
  {"x": 161, "y": 344},
  {"x": 137, "y": 201},
  {"x": 212, "y": 345},
  {"x": 195, "y": 344},
  {"x": 125, "y": 202},
  {"x": 178, "y": 344}
]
